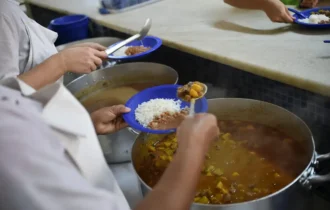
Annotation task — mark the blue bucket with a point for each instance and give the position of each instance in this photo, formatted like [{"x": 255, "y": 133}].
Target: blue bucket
[{"x": 70, "y": 28}]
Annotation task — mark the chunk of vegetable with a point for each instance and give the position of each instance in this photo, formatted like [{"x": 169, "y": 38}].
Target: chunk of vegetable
[
  {"x": 226, "y": 136},
  {"x": 235, "y": 174},
  {"x": 210, "y": 168},
  {"x": 204, "y": 200},
  {"x": 196, "y": 87},
  {"x": 196, "y": 199},
  {"x": 193, "y": 93},
  {"x": 151, "y": 148},
  {"x": 218, "y": 172},
  {"x": 221, "y": 187},
  {"x": 167, "y": 144}
]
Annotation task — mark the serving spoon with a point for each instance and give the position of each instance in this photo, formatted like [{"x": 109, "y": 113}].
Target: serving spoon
[
  {"x": 144, "y": 31},
  {"x": 193, "y": 100},
  {"x": 299, "y": 14}
]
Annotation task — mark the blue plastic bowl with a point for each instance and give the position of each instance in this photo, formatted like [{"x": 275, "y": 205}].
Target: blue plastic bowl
[
  {"x": 70, "y": 28},
  {"x": 149, "y": 41},
  {"x": 162, "y": 91}
]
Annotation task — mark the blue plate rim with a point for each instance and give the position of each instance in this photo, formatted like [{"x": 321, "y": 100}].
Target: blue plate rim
[
  {"x": 159, "y": 42},
  {"x": 147, "y": 130},
  {"x": 83, "y": 18},
  {"x": 308, "y": 12}
]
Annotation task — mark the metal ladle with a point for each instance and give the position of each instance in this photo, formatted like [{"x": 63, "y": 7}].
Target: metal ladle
[
  {"x": 144, "y": 31},
  {"x": 193, "y": 100}
]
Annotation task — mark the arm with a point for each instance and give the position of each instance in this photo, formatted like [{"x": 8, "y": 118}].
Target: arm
[
  {"x": 45, "y": 73},
  {"x": 274, "y": 9},
  {"x": 81, "y": 60},
  {"x": 246, "y": 4}
]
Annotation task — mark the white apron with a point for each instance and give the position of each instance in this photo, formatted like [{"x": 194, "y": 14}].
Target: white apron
[{"x": 72, "y": 126}]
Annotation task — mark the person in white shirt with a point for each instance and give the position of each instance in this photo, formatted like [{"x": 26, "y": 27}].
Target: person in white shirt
[
  {"x": 27, "y": 50},
  {"x": 50, "y": 157}
]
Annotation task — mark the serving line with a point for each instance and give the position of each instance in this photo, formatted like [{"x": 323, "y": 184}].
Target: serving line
[{"x": 243, "y": 39}]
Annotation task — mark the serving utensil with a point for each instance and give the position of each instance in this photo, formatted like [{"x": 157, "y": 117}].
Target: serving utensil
[
  {"x": 144, "y": 31},
  {"x": 299, "y": 14},
  {"x": 193, "y": 100}
]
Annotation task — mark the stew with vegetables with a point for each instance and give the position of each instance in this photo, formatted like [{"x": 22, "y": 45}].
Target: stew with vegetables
[{"x": 247, "y": 162}]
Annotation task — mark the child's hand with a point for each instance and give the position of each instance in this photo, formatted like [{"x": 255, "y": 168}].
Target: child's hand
[{"x": 277, "y": 11}]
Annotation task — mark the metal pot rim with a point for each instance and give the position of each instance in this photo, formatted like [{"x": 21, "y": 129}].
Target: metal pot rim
[
  {"x": 124, "y": 64},
  {"x": 309, "y": 165}
]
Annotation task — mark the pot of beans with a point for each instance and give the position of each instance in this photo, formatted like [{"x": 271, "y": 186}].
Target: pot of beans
[
  {"x": 113, "y": 86},
  {"x": 264, "y": 157}
]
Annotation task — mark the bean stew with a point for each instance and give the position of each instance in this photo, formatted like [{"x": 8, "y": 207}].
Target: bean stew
[{"x": 247, "y": 162}]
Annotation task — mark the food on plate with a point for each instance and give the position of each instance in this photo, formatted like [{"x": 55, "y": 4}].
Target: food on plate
[
  {"x": 320, "y": 17},
  {"x": 247, "y": 162},
  {"x": 192, "y": 90},
  {"x": 130, "y": 50},
  {"x": 160, "y": 114},
  {"x": 136, "y": 50}
]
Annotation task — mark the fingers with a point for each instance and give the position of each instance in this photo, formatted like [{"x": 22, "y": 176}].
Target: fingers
[
  {"x": 92, "y": 66},
  {"x": 97, "y": 61},
  {"x": 287, "y": 17},
  {"x": 119, "y": 109},
  {"x": 101, "y": 54},
  {"x": 96, "y": 57},
  {"x": 97, "y": 46},
  {"x": 121, "y": 124}
]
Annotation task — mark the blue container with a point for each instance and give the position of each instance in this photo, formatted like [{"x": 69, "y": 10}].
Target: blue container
[
  {"x": 162, "y": 91},
  {"x": 70, "y": 28}
]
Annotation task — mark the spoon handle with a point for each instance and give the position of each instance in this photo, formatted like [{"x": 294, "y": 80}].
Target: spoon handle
[
  {"x": 297, "y": 13},
  {"x": 326, "y": 41},
  {"x": 113, "y": 49},
  {"x": 192, "y": 107}
]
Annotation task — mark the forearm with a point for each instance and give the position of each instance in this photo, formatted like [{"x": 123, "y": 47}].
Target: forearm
[
  {"x": 177, "y": 187},
  {"x": 244, "y": 4},
  {"x": 45, "y": 73}
]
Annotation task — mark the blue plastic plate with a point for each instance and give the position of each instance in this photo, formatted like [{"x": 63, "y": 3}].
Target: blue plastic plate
[
  {"x": 307, "y": 13},
  {"x": 162, "y": 91},
  {"x": 149, "y": 41}
]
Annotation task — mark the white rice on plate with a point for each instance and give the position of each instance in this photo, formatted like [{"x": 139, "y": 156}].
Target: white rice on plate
[
  {"x": 146, "y": 112},
  {"x": 314, "y": 19}
]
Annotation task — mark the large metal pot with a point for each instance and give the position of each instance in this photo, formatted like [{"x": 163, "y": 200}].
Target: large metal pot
[
  {"x": 117, "y": 146},
  {"x": 271, "y": 115}
]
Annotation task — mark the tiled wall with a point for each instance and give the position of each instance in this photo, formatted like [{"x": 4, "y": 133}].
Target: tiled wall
[{"x": 226, "y": 81}]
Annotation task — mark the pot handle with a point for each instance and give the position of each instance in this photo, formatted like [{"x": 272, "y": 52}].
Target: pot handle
[{"x": 311, "y": 178}]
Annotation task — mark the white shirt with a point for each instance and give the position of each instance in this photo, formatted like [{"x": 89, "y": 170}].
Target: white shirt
[
  {"x": 50, "y": 157},
  {"x": 23, "y": 42}
]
